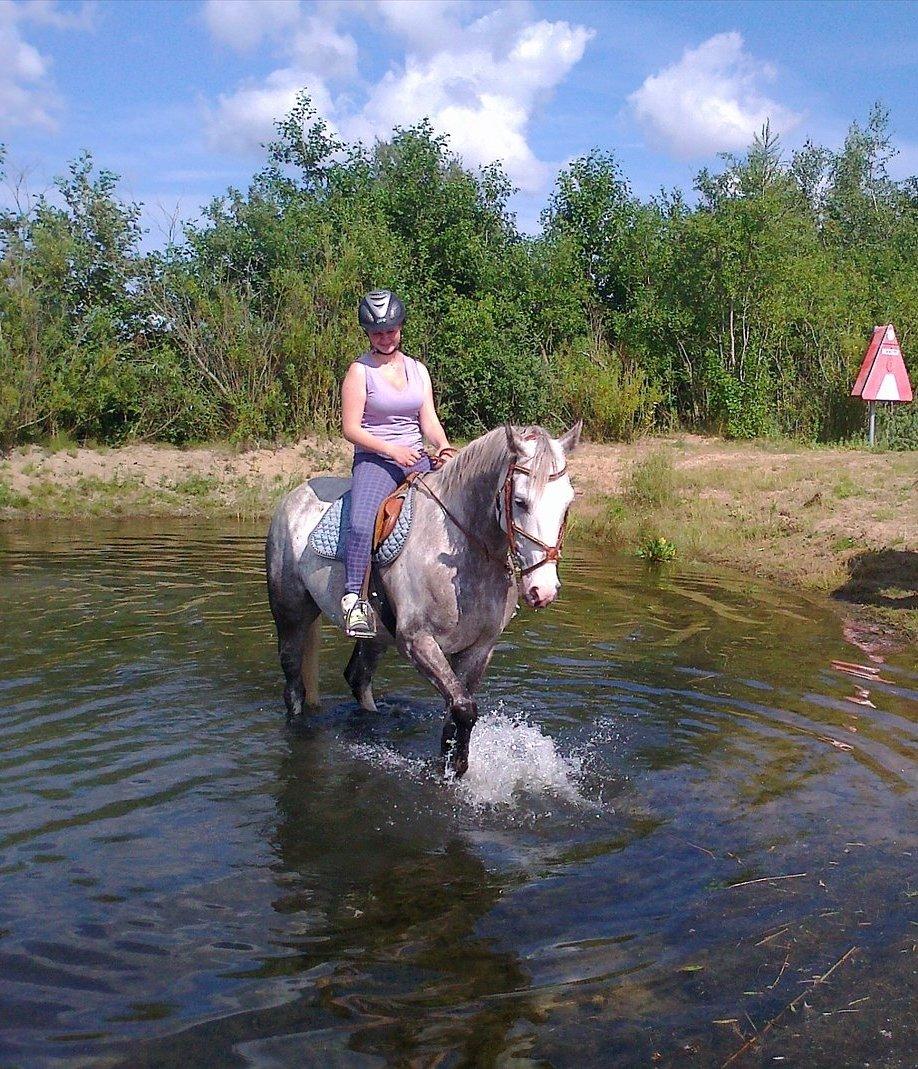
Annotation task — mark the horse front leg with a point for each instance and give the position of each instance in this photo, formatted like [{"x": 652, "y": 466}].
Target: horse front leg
[
  {"x": 461, "y": 710},
  {"x": 470, "y": 665}
]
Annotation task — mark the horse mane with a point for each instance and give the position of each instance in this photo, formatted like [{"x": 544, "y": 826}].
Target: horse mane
[{"x": 489, "y": 454}]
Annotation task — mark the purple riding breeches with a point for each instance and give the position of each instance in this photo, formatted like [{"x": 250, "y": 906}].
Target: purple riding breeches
[{"x": 375, "y": 477}]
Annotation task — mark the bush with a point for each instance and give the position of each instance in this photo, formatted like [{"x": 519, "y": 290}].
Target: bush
[
  {"x": 652, "y": 481},
  {"x": 590, "y": 381},
  {"x": 897, "y": 426},
  {"x": 485, "y": 369}
]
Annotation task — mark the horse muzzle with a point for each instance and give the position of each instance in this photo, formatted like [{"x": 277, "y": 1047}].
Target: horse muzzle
[{"x": 540, "y": 593}]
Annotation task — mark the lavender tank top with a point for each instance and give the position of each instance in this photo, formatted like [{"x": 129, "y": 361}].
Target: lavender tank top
[{"x": 390, "y": 414}]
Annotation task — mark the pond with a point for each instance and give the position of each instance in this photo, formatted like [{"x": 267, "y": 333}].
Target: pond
[{"x": 682, "y": 827}]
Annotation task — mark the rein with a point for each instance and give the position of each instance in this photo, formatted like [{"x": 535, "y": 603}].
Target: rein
[{"x": 474, "y": 539}]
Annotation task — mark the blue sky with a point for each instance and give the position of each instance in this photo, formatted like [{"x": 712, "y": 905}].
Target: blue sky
[{"x": 176, "y": 95}]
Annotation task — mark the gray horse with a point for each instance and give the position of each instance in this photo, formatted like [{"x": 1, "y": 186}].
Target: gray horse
[{"x": 452, "y": 589}]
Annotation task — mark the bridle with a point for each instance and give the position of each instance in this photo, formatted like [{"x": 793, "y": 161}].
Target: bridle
[
  {"x": 504, "y": 502},
  {"x": 505, "y": 497}
]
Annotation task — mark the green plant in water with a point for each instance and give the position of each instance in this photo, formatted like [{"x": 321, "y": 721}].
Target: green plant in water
[{"x": 658, "y": 550}]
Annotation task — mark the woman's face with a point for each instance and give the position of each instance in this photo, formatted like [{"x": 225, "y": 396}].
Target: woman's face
[{"x": 386, "y": 341}]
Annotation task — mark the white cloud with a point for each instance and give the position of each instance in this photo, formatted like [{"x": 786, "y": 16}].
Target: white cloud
[
  {"x": 435, "y": 29},
  {"x": 710, "y": 100},
  {"x": 479, "y": 80},
  {"x": 245, "y": 119},
  {"x": 243, "y": 24},
  {"x": 313, "y": 49},
  {"x": 50, "y": 13},
  {"x": 26, "y": 96}
]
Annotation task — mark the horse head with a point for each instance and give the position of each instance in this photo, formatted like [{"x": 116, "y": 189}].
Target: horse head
[{"x": 533, "y": 505}]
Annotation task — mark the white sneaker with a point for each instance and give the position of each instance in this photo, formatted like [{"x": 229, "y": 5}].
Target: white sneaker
[{"x": 359, "y": 618}]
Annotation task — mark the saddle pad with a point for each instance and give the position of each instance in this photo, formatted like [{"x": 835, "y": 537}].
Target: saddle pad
[{"x": 330, "y": 533}]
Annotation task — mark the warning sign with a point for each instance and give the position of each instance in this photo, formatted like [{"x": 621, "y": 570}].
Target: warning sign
[{"x": 883, "y": 376}]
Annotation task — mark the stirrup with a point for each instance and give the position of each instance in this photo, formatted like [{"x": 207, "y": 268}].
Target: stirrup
[{"x": 361, "y": 620}]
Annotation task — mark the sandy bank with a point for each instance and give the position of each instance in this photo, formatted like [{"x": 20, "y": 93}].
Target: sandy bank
[{"x": 844, "y": 521}]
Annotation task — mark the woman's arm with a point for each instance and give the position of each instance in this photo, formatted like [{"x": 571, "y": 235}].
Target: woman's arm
[
  {"x": 353, "y": 402},
  {"x": 431, "y": 427}
]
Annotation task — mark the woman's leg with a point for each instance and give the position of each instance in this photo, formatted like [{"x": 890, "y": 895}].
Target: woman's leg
[{"x": 374, "y": 479}]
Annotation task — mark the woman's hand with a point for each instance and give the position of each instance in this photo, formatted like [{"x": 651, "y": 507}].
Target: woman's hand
[{"x": 403, "y": 456}]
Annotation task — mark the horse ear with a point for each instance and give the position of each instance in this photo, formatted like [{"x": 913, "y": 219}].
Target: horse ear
[
  {"x": 569, "y": 440},
  {"x": 514, "y": 442}
]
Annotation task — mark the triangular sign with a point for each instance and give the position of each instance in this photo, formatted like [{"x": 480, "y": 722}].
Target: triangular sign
[
  {"x": 883, "y": 376},
  {"x": 867, "y": 362}
]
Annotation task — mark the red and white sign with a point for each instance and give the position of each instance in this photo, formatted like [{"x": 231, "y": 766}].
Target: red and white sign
[{"x": 883, "y": 376}]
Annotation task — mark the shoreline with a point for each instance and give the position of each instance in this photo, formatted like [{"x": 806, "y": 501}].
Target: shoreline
[{"x": 836, "y": 521}]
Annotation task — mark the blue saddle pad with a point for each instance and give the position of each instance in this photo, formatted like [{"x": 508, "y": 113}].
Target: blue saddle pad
[{"x": 330, "y": 533}]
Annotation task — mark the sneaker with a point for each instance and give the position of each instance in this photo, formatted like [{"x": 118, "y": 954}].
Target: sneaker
[{"x": 360, "y": 621}]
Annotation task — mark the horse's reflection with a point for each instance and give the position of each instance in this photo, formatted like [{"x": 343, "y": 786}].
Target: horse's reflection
[{"x": 388, "y": 898}]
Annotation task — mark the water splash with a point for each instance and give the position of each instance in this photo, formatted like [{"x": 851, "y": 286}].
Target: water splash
[{"x": 510, "y": 757}]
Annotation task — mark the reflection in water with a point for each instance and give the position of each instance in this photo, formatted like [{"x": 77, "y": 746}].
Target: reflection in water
[{"x": 676, "y": 819}]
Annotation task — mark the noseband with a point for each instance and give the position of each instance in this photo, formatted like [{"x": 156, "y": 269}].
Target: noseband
[{"x": 552, "y": 553}]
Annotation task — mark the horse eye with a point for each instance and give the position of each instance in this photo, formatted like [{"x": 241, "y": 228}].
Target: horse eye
[{"x": 521, "y": 503}]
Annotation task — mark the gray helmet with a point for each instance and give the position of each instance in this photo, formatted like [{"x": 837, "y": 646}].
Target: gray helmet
[{"x": 381, "y": 310}]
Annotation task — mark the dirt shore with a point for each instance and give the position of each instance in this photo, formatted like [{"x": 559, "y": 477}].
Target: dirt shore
[{"x": 842, "y": 521}]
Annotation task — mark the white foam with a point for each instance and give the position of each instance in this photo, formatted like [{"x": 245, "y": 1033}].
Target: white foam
[
  {"x": 510, "y": 761},
  {"x": 510, "y": 757}
]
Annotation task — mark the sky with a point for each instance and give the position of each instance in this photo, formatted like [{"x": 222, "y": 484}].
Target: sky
[{"x": 178, "y": 96}]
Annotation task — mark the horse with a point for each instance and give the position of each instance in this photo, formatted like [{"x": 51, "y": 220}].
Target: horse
[{"x": 451, "y": 591}]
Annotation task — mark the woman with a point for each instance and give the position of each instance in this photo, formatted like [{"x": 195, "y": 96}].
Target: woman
[{"x": 387, "y": 411}]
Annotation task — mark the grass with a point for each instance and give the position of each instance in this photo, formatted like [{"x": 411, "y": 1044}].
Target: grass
[
  {"x": 779, "y": 520},
  {"x": 12, "y": 499},
  {"x": 196, "y": 485},
  {"x": 845, "y": 487}
]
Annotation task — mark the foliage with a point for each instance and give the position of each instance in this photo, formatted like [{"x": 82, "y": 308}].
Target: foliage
[
  {"x": 612, "y": 396},
  {"x": 897, "y": 426},
  {"x": 744, "y": 313}
]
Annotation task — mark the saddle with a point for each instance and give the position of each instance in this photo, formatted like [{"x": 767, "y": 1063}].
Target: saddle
[
  {"x": 393, "y": 521},
  {"x": 389, "y": 512}
]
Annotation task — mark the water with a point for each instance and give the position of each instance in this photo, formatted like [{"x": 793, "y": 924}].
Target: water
[{"x": 675, "y": 820}]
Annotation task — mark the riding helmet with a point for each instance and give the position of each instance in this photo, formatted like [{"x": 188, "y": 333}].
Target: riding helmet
[{"x": 381, "y": 310}]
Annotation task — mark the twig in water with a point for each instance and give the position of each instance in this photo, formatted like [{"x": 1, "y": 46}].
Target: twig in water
[
  {"x": 767, "y": 879},
  {"x": 774, "y": 935},
  {"x": 791, "y": 1006},
  {"x": 774, "y": 984},
  {"x": 856, "y": 669},
  {"x": 703, "y": 849}
]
